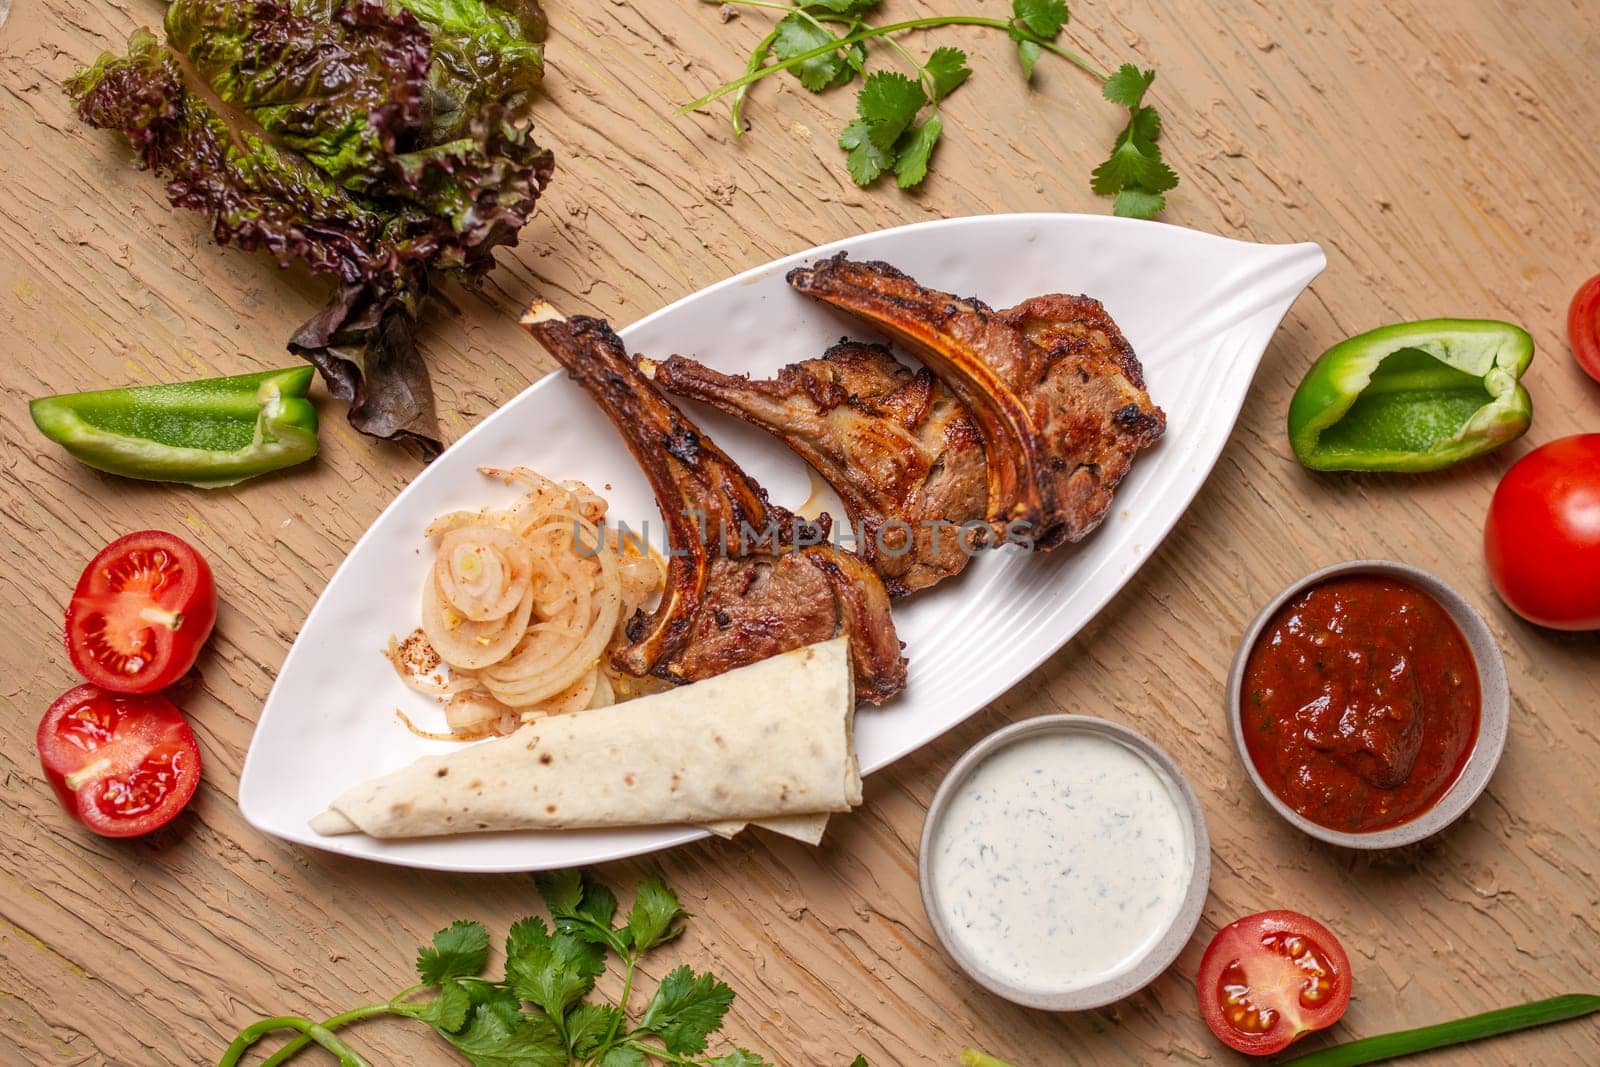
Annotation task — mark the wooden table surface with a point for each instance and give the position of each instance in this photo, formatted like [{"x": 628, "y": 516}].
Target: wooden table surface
[{"x": 1442, "y": 152}]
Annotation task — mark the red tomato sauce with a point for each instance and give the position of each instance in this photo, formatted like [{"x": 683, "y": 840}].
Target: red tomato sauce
[{"x": 1360, "y": 703}]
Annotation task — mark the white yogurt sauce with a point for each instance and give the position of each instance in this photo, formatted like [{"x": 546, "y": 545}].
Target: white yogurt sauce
[{"x": 1061, "y": 860}]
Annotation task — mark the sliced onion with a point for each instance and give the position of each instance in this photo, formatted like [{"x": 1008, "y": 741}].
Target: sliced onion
[
  {"x": 464, "y": 642},
  {"x": 483, "y": 571},
  {"x": 522, "y": 602}
]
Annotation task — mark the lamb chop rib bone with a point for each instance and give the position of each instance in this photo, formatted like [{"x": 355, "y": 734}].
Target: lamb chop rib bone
[
  {"x": 730, "y": 598},
  {"x": 895, "y": 444},
  {"x": 1055, "y": 389}
]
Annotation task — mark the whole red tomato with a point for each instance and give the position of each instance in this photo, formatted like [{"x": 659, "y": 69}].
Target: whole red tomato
[
  {"x": 1583, "y": 326},
  {"x": 1542, "y": 539}
]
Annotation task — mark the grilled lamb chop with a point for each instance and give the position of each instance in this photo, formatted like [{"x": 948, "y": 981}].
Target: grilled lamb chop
[
  {"x": 896, "y": 446},
  {"x": 746, "y": 579},
  {"x": 1052, "y": 384}
]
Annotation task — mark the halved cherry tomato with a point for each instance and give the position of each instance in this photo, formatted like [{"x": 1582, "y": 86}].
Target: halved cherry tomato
[
  {"x": 123, "y": 765},
  {"x": 1266, "y": 979},
  {"x": 141, "y": 611},
  {"x": 1542, "y": 537},
  {"x": 1583, "y": 326}
]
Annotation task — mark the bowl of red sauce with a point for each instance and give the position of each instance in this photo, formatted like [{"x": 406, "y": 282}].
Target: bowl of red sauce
[{"x": 1369, "y": 703}]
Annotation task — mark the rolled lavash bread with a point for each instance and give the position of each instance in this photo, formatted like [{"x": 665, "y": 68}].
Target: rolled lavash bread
[
  {"x": 807, "y": 829},
  {"x": 770, "y": 740}
]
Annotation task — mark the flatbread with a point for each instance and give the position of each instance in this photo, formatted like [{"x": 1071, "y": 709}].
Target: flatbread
[
  {"x": 770, "y": 740},
  {"x": 807, "y": 829}
]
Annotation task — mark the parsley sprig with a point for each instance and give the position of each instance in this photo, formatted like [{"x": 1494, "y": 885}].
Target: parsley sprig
[
  {"x": 898, "y": 124},
  {"x": 538, "y": 1014}
]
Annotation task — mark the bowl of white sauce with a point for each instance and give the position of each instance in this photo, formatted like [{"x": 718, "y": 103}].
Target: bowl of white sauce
[{"x": 1064, "y": 862}]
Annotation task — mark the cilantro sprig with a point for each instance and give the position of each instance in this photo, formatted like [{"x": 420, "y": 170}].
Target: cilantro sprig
[
  {"x": 898, "y": 123},
  {"x": 1135, "y": 174},
  {"x": 538, "y": 1014}
]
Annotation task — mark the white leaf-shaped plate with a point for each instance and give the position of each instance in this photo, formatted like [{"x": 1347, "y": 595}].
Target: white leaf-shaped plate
[{"x": 1198, "y": 309}]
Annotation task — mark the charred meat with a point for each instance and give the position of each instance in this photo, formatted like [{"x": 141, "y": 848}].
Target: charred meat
[
  {"x": 1052, "y": 384},
  {"x": 746, "y": 579},
  {"x": 895, "y": 444}
]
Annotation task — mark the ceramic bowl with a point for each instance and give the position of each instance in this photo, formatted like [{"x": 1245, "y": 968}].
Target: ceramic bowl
[
  {"x": 1492, "y": 684},
  {"x": 1159, "y": 956}
]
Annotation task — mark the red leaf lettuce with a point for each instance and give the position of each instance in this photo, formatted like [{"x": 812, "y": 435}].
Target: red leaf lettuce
[{"x": 381, "y": 143}]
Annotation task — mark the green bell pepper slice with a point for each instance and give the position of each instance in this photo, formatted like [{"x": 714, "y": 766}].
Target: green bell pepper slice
[
  {"x": 1417, "y": 396},
  {"x": 208, "y": 433}
]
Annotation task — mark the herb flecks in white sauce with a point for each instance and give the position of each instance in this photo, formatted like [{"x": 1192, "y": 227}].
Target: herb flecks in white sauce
[{"x": 1062, "y": 859}]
